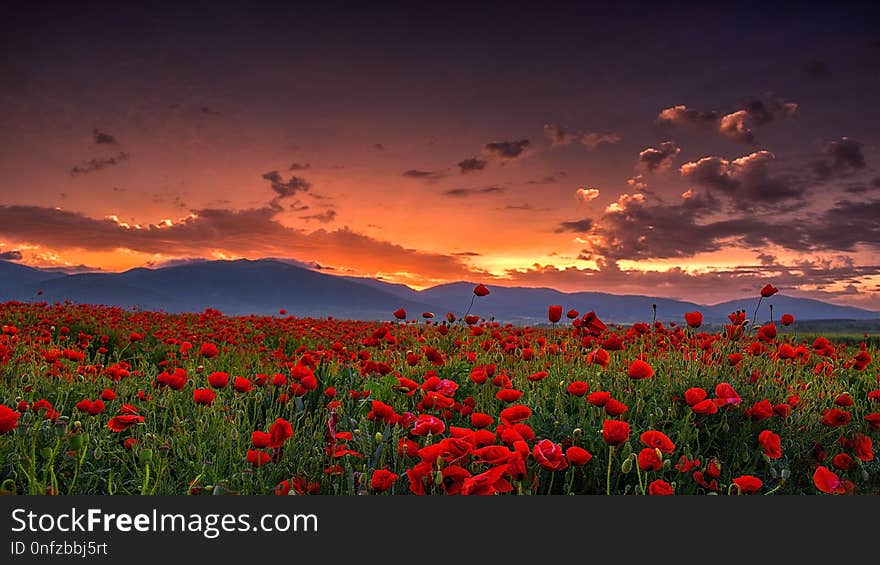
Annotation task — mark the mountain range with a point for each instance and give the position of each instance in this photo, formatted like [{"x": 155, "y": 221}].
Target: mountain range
[{"x": 266, "y": 286}]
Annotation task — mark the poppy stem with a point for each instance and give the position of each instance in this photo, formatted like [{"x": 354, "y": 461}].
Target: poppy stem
[{"x": 608, "y": 473}]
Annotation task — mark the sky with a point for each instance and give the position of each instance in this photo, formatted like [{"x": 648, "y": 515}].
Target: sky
[{"x": 684, "y": 150}]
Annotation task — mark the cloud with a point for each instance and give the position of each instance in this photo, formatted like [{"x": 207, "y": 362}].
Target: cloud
[
  {"x": 378, "y": 146},
  {"x": 749, "y": 180},
  {"x": 549, "y": 179},
  {"x": 683, "y": 116},
  {"x": 210, "y": 111},
  {"x": 287, "y": 188},
  {"x": 584, "y": 195},
  {"x": 463, "y": 192},
  {"x": 576, "y": 226},
  {"x": 252, "y": 232},
  {"x": 734, "y": 126},
  {"x": 299, "y": 166},
  {"x": 324, "y": 217},
  {"x": 711, "y": 286},
  {"x": 658, "y": 158},
  {"x": 472, "y": 164},
  {"x": 430, "y": 176},
  {"x": 525, "y": 208},
  {"x": 98, "y": 164},
  {"x": 594, "y": 140},
  {"x": 737, "y": 124},
  {"x": 558, "y": 136},
  {"x": 102, "y": 137},
  {"x": 506, "y": 150},
  {"x": 841, "y": 157},
  {"x": 10, "y": 255}
]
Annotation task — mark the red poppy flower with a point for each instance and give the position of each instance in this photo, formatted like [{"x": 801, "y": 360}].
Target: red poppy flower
[
  {"x": 508, "y": 395},
  {"x": 260, "y": 439},
  {"x": 640, "y": 370},
  {"x": 536, "y": 377},
  {"x": 748, "y": 483},
  {"x": 471, "y": 319},
  {"x": 760, "y": 410},
  {"x": 768, "y": 290},
  {"x": 400, "y": 314},
  {"x": 209, "y": 350},
  {"x": 481, "y": 290},
  {"x": 121, "y": 423},
  {"x": 203, "y": 396},
  {"x": 8, "y": 419},
  {"x": 549, "y": 455},
  {"x": 843, "y": 462},
  {"x": 480, "y": 420},
  {"x": 660, "y": 487},
  {"x": 279, "y": 432},
  {"x": 787, "y": 319},
  {"x": 649, "y": 460},
  {"x": 771, "y": 443},
  {"x": 488, "y": 483},
  {"x": 657, "y": 440},
  {"x": 382, "y": 480},
  {"x": 258, "y": 458},
  {"x": 599, "y": 357},
  {"x": 694, "y": 319},
  {"x": 615, "y": 432},
  {"x": 725, "y": 394},
  {"x": 615, "y": 408},
  {"x": 694, "y": 395},
  {"x": 705, "y": 407},
  {"x": 108, "y": 395},
  {"x": 844, "y": 400},
  {"x": 828, "y": 482},
  {"x": 863, "y": 447},
  {"x": 90, "y": 407},
  {"x": 572, "y": 314},
  {"x": 426, "y": 424},
  {"x": 218, "y": 379},
  {"x": 835, "y": 418},
  {"x": 873, "y": 420},
  {"x": 554, "y": 313},
  {"x": 242, "y": 385},
  {"x": 599, "y": 398},
  {"x": 578, "y": 388},
  {"x": 578, "y": 455},
  {"x": 515, "y": 414}
]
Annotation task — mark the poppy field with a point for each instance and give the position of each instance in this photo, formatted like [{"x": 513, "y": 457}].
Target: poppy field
[{"x": 103, "y": 400}]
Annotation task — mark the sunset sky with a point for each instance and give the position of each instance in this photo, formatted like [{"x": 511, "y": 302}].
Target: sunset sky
[{"x": 672, "y": 150}]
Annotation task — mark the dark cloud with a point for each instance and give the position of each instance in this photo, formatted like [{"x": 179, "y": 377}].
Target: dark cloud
[
  {"x": 817, "y": 69},
  {"x": 683, "y": 116},
  {"x": 253, "y": 232},
  {"x": 11, "y": 256},
  {"x": 472, "y": 164},
  {"x": 506, "y": 150},
  {"x": 558, "y": 135},
  {"x": 324, "y": 217},
  {"x": 525, "y": 208},
  {"x": 737, "y": 124},
  {"x": 103, "y": 137},
  {"x": 467, "y": 254},
  {"x": 287, "y": 188},
  {"x": 430, "y": 176},
  {"x": 210, "y": 111},
  {"x": 658, "y": 158},
  {"x": 842, "y": 157},
  {"x": 378, "y": 147},
  {"x": 749, "y": 181},
  {"x": 576, "y": 226},
  {"x": 549, "y": 179},
  {"x": 462, "y": 192},
  {"x": 707, "y": 287},
  {"x": 99, "y": 164},
  {"x": 299, "y": 166}
]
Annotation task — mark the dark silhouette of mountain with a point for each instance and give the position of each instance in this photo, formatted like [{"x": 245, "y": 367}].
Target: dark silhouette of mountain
[
  {"x": 13, "y": 276},
  {"x": 267, "y": 286}
]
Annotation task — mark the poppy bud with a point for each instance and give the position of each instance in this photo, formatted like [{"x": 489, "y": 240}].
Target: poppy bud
[
  {"x": 627, "y": 465},
  {"x": 378, "y": 436},
  {"x": 46, "y": 452},
  {"x": 576, "y": 432},
  {"x": 773, "y": 473},
  {"x": 98, "y": 454},
  {"x": 865, "y": 476},
  {"x": 438, "y": 479},
  {"x": 76, "y": 442},
  {"x": 146, "y": 456},
  {"x": 785, "y": 474}
]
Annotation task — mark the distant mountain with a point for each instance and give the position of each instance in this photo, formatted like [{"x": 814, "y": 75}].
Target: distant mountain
[{"x": 267, "y": 286}]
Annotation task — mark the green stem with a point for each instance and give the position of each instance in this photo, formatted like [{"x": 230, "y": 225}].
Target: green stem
[{"x": 608, "y": 473}]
